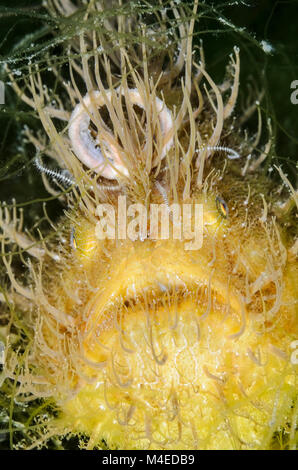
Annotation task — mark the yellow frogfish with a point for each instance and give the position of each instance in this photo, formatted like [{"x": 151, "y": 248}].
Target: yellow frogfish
[{"x": 159, "y": 312}]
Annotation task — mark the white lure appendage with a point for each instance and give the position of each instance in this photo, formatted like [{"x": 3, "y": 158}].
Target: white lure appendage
[{"x": 103, "y": 153}]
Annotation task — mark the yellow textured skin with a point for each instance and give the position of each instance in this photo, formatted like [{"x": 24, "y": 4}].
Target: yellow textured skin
[{"x": 184, "y": 366}]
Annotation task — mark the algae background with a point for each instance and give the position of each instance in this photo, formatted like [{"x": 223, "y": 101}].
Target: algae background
[{"x": 26, "y": 27}]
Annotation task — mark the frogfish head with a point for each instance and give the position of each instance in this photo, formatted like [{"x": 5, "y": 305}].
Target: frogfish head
[{"x": 161, "y": 307}]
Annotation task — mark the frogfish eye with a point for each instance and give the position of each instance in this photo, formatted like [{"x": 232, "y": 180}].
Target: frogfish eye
[
  {"x": 222, "y": 207},
  {"x": 73, "y": 241}
]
